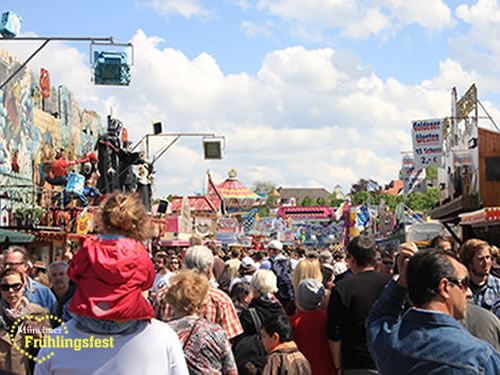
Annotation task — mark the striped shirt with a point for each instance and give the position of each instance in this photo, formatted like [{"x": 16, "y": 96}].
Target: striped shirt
[{"x": 219, "y": 310}]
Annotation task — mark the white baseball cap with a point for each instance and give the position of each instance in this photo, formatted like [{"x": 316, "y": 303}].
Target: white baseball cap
[{"x": 275, "y": 244}]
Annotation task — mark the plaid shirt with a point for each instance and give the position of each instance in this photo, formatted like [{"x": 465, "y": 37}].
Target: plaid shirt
[
  {"x": 219, "y": 309},
  {"x": 486, "y": 295}
]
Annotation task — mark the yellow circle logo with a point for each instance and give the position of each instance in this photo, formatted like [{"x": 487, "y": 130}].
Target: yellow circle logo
[{"x": 34, "y": 333}]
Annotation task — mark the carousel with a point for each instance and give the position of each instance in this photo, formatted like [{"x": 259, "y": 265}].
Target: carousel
[{"x": 239, "y": 199}]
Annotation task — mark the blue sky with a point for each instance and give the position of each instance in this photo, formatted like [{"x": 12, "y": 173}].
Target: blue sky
[{"x": 306, "y": 92}]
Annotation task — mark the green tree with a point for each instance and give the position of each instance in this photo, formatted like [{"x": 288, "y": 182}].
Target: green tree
[
  {"x": 423, "y": 201},
  {"x": 431, "y": 173},
  {"x": 334, "y": 201},
  {"x": 308, "y": 201},
  {"x": 360, "y": 197},
  {"x": 320, "y": 202},
  {"x": 263, "y": 211},
  {"x": 263, "y": 187}
]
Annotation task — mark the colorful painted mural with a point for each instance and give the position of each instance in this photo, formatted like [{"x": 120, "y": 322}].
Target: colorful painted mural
[
  {"x": 16, "y": 123},
  {"x": 33, "y": 128}
]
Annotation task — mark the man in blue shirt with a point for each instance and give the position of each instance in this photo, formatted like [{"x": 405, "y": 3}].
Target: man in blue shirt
[
  {"x": 427, "y": 339},
  {"x": 15, "y": 257}
]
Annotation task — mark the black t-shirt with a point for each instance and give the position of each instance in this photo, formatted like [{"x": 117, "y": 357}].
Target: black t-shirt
[{"x": 350, "y": 303}]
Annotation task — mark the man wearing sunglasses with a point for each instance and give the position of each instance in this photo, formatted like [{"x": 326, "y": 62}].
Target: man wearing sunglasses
[
  {"x": 428, "y": 338},
  {"x": 15, "y": 257}
]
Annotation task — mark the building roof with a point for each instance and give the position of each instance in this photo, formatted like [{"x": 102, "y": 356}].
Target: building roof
[
  {"x": 198, "y": 203},
  {"x": 395, "y": 187},
  {"x": 300, "y": 193}
]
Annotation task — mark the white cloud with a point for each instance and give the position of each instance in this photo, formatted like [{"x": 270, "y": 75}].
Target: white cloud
[
  {"x": 186, "y": 8},
  {"x": 430, "y": 14},
  {"x": 297, "y": 66},
  {"x": 484, "y": 18},
  {"x": 483, "y": 13},
  {"x": 359, "y": 19},
  {"x": 243, "y": 4},
  {"x": 373, "y": 22},
  {"x": 308, "y": 115},
  {"x": 251, "y": 29}
]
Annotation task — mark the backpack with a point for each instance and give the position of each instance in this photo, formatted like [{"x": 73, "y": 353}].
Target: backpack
[
  {"x": 283, "y": 271},
  {"x": 249, "y": 348}
]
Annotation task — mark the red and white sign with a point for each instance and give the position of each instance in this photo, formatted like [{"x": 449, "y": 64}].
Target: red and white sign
[{"x": 427, "y": 143}]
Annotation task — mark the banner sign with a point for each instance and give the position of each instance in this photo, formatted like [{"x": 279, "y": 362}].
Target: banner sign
[
  {"x": 227, "y": 224},
  {"x": 427, "y": 143},
  {"x": 414, "y": 179}
]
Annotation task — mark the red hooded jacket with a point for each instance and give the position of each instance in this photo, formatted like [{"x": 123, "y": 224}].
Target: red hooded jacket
[{"x": 111, "y": 274}]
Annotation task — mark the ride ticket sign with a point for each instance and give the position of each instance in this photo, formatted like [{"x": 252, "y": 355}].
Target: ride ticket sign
[{"x": 427, "y": 143}]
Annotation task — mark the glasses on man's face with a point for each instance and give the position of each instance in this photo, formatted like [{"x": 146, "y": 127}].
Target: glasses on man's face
[
  {"x": 15, "y": 287},
  {"x": 462, "y": 283},
  {"x": 388, "y": 262},
  {"x": 12, "y": 264}
]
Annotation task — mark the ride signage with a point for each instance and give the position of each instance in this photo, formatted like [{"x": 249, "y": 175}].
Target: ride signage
[{"x": 427, "y": 143}]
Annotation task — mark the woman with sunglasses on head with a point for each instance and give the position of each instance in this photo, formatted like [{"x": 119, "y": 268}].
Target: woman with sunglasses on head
[{"x": 14, "y": 307}]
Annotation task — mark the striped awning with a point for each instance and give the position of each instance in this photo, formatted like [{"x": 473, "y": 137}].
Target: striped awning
[
  {"x": 11, "y": 236},
  {"x": 306, "y": 212}
]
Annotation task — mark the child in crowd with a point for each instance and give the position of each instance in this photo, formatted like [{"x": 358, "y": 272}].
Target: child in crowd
[
  {"x": 284, "y": 356},
  {"x": 113, "y": 269},
  {"x": 309, "y": 326}
]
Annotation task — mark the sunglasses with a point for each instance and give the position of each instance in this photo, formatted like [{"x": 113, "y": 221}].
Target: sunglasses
[
  {"x": 462, "y": 283},
  {"x": 12, "y": 264},
  {"x": 15, "y": 287},
  {"x": 388, "y": 262}
]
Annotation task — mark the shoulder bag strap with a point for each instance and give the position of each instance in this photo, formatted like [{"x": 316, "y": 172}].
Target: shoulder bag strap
[
  {"x": 190, "y": 333},
  {"x": 255, "y": 319}
]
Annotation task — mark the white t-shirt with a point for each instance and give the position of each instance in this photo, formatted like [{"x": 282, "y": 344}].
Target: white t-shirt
[
  {"x": 154, "y": 350},
  {"x": 161, "y": 281}
]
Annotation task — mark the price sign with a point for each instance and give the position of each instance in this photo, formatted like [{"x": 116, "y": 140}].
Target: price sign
[{"x": 427, "y": 143}]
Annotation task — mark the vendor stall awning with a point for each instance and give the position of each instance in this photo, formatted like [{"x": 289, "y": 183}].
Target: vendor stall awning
[{"x": 12, "y": 236}]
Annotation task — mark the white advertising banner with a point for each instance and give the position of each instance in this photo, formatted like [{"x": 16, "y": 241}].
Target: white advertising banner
[
  {"x": 427, "y": 143},
  {"x": 414, "y": 179}
]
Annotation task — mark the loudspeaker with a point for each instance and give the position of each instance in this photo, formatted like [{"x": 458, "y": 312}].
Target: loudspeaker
[
  {"x": 162, "y": 207},
  {"x": 212, "y": 149},
  {"x": 157, "y": 127}
]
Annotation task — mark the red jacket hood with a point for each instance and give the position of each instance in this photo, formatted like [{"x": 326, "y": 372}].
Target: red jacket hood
[{"x": 111, "y": 273}]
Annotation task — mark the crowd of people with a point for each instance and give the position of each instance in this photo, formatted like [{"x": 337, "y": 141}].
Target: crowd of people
[{"x": 358, "y": 310}]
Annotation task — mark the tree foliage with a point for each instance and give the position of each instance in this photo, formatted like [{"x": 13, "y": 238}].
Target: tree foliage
[
  {"x": 431, "y": 173},
  {"x": 308, "y": 201},
  {"x": 416, "y": 201},
  {"x": 334, "y": 201},
  {"x": 263, "y": 187},
  {"x": 365, "y": 185}
]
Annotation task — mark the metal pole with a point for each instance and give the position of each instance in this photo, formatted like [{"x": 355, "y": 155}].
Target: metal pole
[
  {"x": 47, "y": 40},
  {"x": 487, "y": 114},
  {"x": 59, "y": 38},
  {"x": 165, "y": 149},
  {"x": 23, "y": 64},
  {"x": 184, "y": 135},
  {"x": 453, "y": 234}
]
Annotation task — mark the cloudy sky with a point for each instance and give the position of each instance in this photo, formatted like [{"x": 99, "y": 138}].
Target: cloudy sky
[{"x": 305, "y": 92}]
